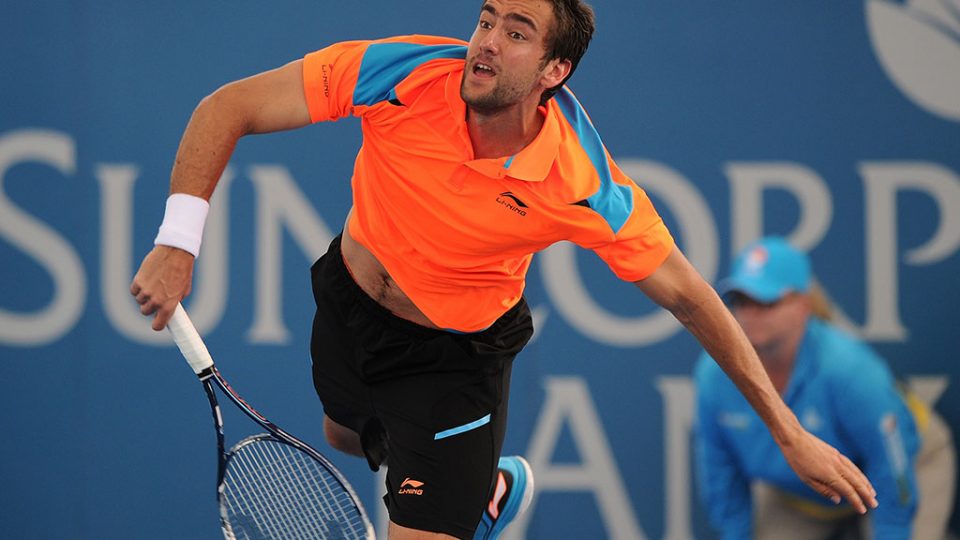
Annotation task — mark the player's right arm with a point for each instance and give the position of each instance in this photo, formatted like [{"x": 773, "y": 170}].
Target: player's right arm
[{"x": 267, "y": 102}]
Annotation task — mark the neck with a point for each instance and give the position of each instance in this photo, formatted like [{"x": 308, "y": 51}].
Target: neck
[
  {"x": 503, "y": 132},
  {"x": 778, "y": 370},
  {"x": 778, "y": 359}
]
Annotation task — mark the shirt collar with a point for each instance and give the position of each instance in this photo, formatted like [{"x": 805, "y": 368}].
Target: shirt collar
[{"x": 533, "y": 162}]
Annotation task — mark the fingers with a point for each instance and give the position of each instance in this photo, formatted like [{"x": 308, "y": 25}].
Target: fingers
[
  {"x": 827, "y": 492},
  {"x": 146, "y": 307},
  {"x": 162, "y": 281},
  {"x": 859, "y": 482},
  {"x": 143, "y": 298},
  {"x": 841, "y": 487},
  {"x": 834, "y": 476},
  {"x": 162, "y": 317},
  {"x": 161, "y": 311},
  {"x": 849, "y": 483}
]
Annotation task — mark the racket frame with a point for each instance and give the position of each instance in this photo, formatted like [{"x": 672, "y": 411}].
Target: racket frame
[{"x": 196, "y": 354}]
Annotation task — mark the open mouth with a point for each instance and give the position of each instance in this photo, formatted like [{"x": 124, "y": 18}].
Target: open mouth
[{"x": 483, "y": 70}]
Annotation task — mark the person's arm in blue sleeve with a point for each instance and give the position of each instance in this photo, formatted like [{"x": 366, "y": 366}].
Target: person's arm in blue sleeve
[
  {"x": 724, "y": 489},
  {"x": 879, "y": 426}
]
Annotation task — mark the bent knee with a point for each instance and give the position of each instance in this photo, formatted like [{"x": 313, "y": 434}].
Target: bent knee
[{"x": 342, "y": 438}]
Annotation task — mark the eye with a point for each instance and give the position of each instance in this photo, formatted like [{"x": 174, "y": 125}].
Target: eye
[
  {"x": 485, "y": 25},
  {"x": 517, "y": 36}
]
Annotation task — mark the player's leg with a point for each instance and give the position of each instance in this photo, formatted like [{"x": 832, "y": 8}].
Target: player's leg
[
  {"x": 511, "y": 495},
  {"x": 437, "y": 399},
  {"x": 342, "y": 438},
  {"x": 333, "y": 344},
  {"x": 511, "y": 489},
  {"x": 444, "y": 409},
  {"x": 445, "y": 440},
  {"x": 398, "y": 532}
]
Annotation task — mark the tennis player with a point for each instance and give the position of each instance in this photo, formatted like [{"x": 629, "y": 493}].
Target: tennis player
[
  {"x": 842, "y": 391},
  {"x": 475, "y": 156}
]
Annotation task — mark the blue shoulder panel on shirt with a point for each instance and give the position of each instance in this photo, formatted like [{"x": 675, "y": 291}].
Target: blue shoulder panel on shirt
[
  {"x": 385, "y": 65},
  {"x": 612, "y": 201}
]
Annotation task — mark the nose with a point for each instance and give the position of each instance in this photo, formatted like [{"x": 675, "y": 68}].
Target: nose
[
  {"x": 748, "y": 313},
  {"x": 490, "y": 43}
]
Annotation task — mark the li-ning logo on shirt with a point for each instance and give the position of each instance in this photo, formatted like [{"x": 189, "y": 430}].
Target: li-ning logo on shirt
[
  {"x": 325, "y": 75},
  {"x": 411, "y": 487},
  {"x": 516, "y": 206}
]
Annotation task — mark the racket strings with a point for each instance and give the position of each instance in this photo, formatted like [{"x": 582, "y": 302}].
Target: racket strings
[{"x": 272, "y": 490}]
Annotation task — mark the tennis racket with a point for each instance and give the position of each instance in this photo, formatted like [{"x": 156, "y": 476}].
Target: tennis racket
[{"x": 272, "y": 485}]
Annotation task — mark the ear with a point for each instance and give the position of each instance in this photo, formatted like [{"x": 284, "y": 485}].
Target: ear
[{"x": 555, "y": 72}]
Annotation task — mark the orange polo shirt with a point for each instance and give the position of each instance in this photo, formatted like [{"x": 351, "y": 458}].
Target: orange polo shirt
[{"x": 456, "y": 233}]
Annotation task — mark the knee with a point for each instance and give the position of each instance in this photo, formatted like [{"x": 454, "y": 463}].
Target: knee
[{"x": 342, "y": 438}]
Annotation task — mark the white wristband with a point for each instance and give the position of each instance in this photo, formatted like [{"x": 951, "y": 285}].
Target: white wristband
[{"x": 183, "y": 221}]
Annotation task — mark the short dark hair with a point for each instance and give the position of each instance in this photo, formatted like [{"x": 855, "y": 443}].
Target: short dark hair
[{"x": 569, "y": 37}]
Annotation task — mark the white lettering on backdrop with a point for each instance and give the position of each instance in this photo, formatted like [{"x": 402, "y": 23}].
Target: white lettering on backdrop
[
  {"x": 281, "y": 206},
  {"x": 41, "y": 242}
]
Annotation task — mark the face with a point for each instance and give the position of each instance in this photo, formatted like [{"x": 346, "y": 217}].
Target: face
[
  {"x": 768, "y": 326},
  {"x": 505, "y": 60}
]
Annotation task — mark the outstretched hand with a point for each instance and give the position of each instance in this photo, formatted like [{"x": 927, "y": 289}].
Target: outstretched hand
[
  {"x": 164, "y": 279},
  {"x": 829, "y": 472}
]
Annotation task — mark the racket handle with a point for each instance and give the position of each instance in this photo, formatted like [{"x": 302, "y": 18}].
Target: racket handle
[{"x": 188, "y": 341}]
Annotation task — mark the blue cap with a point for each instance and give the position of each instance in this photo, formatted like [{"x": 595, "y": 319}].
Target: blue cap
[{"x": 767, "y": 270}]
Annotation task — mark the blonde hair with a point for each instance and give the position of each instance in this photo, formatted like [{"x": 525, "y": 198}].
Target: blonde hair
[{"x": 820, "y": 306}]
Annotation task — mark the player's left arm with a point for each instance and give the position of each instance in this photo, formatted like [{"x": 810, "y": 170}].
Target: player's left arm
[{"x": 678, "y": 287}]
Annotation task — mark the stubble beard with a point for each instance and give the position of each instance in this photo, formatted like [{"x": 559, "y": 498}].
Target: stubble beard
[
  {"x": 493, "y": 101},
  {"x": 504, "y": 94}
]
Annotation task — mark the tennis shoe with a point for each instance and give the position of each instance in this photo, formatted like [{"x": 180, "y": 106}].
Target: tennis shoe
[{"x": 512, "y": 494}]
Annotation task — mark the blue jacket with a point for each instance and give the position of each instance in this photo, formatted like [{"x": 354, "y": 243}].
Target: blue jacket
[{"x": 842, "y": 392}]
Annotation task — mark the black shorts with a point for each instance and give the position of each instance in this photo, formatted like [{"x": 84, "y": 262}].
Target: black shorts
[{"x": 431, "y": 403}]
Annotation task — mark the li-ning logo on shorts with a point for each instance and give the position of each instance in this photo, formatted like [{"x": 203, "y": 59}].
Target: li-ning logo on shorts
[
  {"x": 411, "y": 487},
  {"x": 516, "y": 206}
]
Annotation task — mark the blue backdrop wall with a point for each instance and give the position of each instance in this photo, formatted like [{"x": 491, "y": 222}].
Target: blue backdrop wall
[{"x": 837, "y": 124}]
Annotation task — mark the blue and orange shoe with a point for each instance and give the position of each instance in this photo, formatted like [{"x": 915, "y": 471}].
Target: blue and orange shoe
[{"x": 511, "y": 497}]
